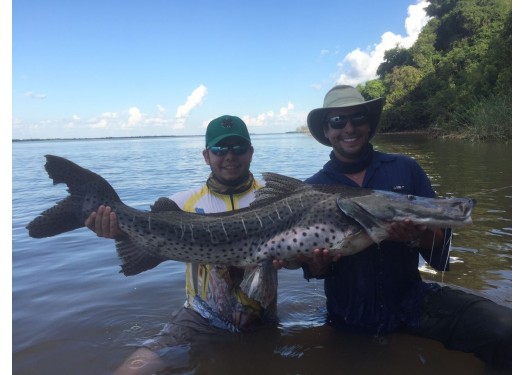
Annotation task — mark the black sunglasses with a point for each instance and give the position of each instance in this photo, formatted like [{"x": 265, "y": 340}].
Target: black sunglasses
[
  {"x": 339, "y": 122},
  {"x": 223, "y": 150}
]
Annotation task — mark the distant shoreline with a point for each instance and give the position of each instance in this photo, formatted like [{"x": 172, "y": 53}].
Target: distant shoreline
[
  {"x": 130, "y": 137},
  {"x": 424, "y": 132}
]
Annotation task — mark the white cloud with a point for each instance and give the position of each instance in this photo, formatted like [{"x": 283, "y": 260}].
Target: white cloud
[
  {"x": 259, "y": 120},
  {"x": 195, "y": 99},
  {"x": 270, "y": 117},
  {"x": 99, "y": 123},
  {"x": 417, "y": 19},
  {"x": 285, "y": 110},
  {"x": 102, "y": 121},
  {"x": 134, "y": 116},
  {"x": 72, "y": 124},
  {"x": 359, "y": 66}
]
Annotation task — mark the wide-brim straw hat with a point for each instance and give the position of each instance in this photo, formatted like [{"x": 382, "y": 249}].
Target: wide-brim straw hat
[{"x": 343, "y": 96}]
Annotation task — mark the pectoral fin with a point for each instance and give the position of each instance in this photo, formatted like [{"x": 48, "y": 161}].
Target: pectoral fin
[
  {"x": 134, "y": 259},
  {"x": 372, "y": 225},
  {"x": 260, "y": 283}
]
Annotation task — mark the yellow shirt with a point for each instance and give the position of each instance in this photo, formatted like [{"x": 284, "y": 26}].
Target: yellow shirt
[{"x": 220, "y": 298}]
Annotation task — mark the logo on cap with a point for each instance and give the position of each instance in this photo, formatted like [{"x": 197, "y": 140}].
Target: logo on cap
[{"x": 227, "y": 123}]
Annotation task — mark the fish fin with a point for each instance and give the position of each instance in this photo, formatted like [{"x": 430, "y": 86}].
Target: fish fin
[
  {"x": 164, "y": 204},
  {"x": 277, "y": 186},
  {"x": 135, "y": 260},
  {"x": 58, "y": 219},
  {"x": 260, "y": 283},
  {"x": 71, "y": 212},
  {"x": 373, "y": 226}
]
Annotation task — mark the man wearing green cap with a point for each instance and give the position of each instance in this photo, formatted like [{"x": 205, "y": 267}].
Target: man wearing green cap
[
  {"x": 380, "y": 290},
  {"x": 215, "y": 301}
]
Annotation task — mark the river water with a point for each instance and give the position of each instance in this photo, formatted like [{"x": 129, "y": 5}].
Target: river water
[{"x": 73, "y": 313}]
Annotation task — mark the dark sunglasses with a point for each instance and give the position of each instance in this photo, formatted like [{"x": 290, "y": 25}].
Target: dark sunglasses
[
  {"x": 339, "y": 122},
  {"x": 223, "y": 150}
]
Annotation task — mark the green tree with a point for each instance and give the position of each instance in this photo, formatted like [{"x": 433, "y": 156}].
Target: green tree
[
  {"x": 460, "y": 64},
  {"x": 397, "y": 56},
  {"x": 401, "y": 103},
  {"x": 372, "y": 89}
]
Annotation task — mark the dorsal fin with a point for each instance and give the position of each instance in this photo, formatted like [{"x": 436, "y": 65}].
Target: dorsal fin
[
  {"x": 276, "y": 187},
  {"x": 164, "y": 204}
]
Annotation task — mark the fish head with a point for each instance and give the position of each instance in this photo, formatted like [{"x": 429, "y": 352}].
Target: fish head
[{"x": 378, "y": 208}]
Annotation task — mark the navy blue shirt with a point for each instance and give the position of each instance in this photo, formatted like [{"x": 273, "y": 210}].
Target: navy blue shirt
[{"x": 379, "y": 289}]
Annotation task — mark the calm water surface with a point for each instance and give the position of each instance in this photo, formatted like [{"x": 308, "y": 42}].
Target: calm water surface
[{"x": 73, "y": 313}]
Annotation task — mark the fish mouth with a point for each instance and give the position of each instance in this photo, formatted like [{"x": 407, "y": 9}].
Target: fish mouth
[{"x": 468, "y": 206}]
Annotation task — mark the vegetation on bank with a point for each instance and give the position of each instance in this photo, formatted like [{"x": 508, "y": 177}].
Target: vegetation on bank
[{"x": 456, "y": 80}]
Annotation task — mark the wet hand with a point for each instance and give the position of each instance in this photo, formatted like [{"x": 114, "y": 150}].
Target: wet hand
[
  {"x": 405, "y": 231},
  {"x": 104, "y": 223},
  {"x": 288, "y": 264},
  {"x": 319, "y": 261}
]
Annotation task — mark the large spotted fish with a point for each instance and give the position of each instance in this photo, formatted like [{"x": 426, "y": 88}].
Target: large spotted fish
[{"x": 287, "y": 219}]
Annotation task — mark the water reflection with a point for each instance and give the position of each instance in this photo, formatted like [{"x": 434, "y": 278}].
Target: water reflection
[{"x": 483, "y": 252}]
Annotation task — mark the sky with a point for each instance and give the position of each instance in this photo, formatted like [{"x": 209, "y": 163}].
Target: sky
[{"x": 88, "y": 69}]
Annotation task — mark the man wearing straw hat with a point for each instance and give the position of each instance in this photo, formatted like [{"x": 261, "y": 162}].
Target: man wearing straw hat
[{"x": 380, "y": 290}]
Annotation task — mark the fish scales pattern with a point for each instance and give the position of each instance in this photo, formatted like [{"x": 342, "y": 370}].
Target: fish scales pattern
[{"x": 288, "y": 218}]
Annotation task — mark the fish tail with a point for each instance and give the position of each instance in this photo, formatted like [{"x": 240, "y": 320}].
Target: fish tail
[{"x": 87, "y": 192}]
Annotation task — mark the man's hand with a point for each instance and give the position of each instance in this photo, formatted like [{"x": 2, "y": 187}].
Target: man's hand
[
  {"x": 104, "y": 223},
  {"x": 288, "y": 264},
  {"x": 320, "y": 259},
  {"x": 405, "y": 231},
  {"x": 415, "y": 234}
]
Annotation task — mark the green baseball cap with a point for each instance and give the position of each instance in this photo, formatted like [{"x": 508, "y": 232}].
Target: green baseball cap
[{"x": 224, "y": 127}]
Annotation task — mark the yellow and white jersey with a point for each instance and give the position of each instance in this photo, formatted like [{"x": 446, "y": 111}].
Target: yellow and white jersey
[
  {"x": 217, "y": 287},
  {"x": 205, "y": 201}
]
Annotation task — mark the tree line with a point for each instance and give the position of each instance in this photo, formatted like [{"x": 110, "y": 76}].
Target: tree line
[{"x": 456, "y": 79}]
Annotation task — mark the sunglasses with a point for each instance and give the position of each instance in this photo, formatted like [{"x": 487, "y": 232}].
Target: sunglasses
[
  {"x": 339, "y": 122},
  {"x": 223, "y": 150}
]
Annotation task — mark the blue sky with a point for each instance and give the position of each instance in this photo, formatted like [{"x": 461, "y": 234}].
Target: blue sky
[{"x": 165, "y": 67}]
